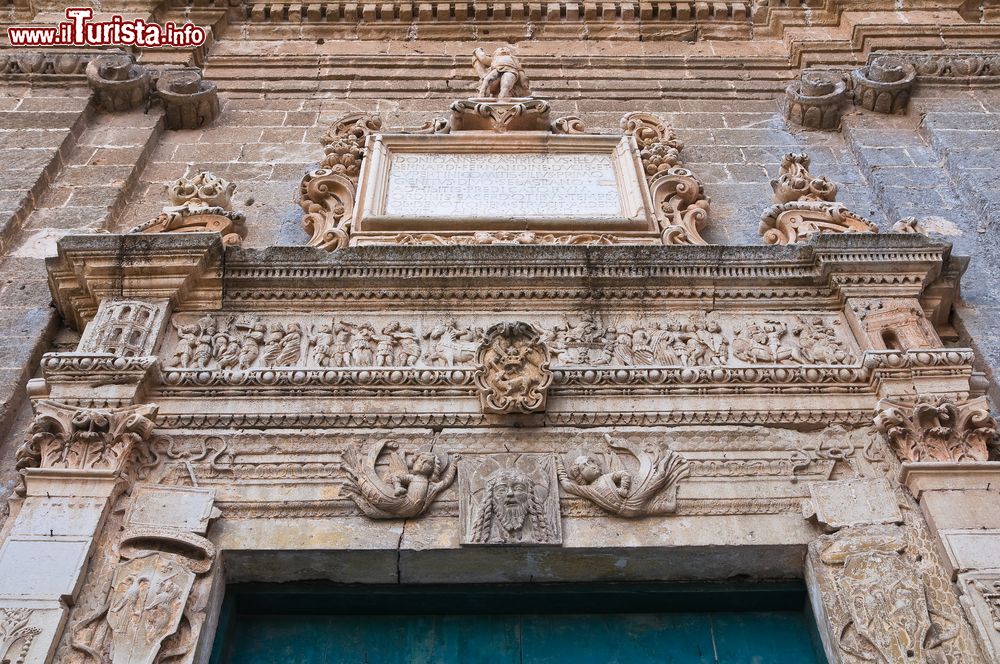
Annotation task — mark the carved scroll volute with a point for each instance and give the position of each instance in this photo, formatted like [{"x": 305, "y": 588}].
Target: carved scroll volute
[
  {"x": 327, "y": 193},
  {"x": 513, "y": 373},
  {"x": 678, "y": 195}
]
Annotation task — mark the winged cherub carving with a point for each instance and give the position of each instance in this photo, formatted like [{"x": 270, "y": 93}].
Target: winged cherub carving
[
  {"x": 411, "y": 484},
  {"x": 650, "y": 489}
]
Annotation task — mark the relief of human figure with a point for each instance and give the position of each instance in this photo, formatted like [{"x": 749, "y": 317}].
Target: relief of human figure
[
  {"x": 511, "y": 511},
  {"x": 644, "y": 491},
  {"x": 501, "y": 75},
  {"x": 406, "y": 490}
]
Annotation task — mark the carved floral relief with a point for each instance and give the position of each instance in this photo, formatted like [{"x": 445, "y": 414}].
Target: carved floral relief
[
  {"x": 937, "y": 429},
  {"x": 16, "y": 635}
]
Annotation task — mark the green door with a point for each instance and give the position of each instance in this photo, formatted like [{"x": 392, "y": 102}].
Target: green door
[{"x": 540, "y": 624}]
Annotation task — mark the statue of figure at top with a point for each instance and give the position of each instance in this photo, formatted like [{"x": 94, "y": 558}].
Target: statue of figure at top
[{"x": 501, "y": 75}]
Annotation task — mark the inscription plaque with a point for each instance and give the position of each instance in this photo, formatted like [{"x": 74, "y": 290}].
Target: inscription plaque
[
  {"x": 564, "y": 186},
  {"x": 502, "y": 185}
]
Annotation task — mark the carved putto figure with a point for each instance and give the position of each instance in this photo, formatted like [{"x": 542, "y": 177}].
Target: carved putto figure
[
  {"x": 409, "y": 487},
  {"x": 513, "y": 373},
  {"x": 937, "y": 429},
  {"x": 805, "y": 205},
  {"x": 650, "y": 488},
  {"x": 198, "y": 205},
  {"x": 500, "y": 75}
]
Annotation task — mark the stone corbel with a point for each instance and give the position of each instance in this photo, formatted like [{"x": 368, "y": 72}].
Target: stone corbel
[
  {"x": 118, "y": 82},
  {"x": 814, "y": 100},
  {"x": 189, "y": 100},
  {"x": 884, "y": 85},
  {"x": 327, "y": 193}
]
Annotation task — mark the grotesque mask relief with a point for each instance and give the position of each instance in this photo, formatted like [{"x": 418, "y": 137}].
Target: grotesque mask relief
[
  {"x": 634, "y": 484},
  {"x": 513, "y": 373},
  {"x": 406, "y": 489},
  {"x": 875, "y": 593},
  {"x": 509, "y": 499}
]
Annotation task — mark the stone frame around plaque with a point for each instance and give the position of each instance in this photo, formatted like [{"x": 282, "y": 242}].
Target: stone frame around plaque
[{"x": 374, "y": 219}]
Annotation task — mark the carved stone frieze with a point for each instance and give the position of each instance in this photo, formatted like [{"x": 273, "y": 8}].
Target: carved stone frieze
[
  {"x": 806, "y": 205},
  {"x": 631, "y": 481},
  {"x": 200, "y": 204},
  {"x": 765, "y": 343},
  {"x": 937, "y": 429},
  {"x": 678, "y": 195},
  {"x": 814, "y": 100},
  {"x": 412, "y": 482},
  {"x": 952, "y": 65},
  {"x": 119, "y": 83},
  {"x": 327, "y": 193},
  {"x": 65, "y": 437},
  {"x": 502, "y": 237},
  {"x": 884, "y": 85},
  {"x": 509, "y": 499},
  {"x": 16, "y": 635},
  {"x": 40, "y": 63},
  {"x": 189, "y": 100},
  {"x": 512, "y": 369}
]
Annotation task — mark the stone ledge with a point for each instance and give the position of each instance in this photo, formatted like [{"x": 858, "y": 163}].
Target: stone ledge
[{"x": 935, "y": 476}]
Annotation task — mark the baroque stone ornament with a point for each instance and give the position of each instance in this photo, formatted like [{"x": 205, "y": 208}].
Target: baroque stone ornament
[
  {"x": 16, "y": 635},
  {"x": 509, "y": 499},
  {"x": 68, "y": 437},
  {"x": 512, "y": 373},
  {"x": 189, "y": 100},
  {"x": 201, "y": 204},
  {"x": 413, "y": 481},
  {"x": 884, "y": 85},
  {"x": 327, "y": 193},
  {"x": 157, "y": 598},
  {"x": 806, "y": 204},
  {"x": 503, "y": 102},
  {"x": 119, "y": 83},
  {"x": 937, "y": 429},
  {"x": 678, "y": 195},
  {"x": 814, "y": 100},
  {"x": 639, "y": 482},
  {"x": 501, "y": 75},
  {"x": 879, "y": 604}
]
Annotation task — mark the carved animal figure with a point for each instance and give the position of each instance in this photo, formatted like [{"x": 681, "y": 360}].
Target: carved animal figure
[
  {"x": 450, "y": 345},
  {"x": 652, "y": 489},
  {"x": 407, "y": 490}
]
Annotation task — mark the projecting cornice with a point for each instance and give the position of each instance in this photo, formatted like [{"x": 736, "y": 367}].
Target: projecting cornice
[{"x": 195, "y": 273}]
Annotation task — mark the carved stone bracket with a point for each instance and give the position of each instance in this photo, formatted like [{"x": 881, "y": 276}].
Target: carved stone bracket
[
  {"x": 83, "y": 439},
  {"x": 200, "y": 204},
  {"x": 509, "y": 499},
  {"x": 814, "y": 100},
  {"x": 413, "y": 480},
  {"x": 327, "y": 193},
  {"x": 527, "y": 114},
  {"x": 638, "y": 483},
  {"x": 189, "y": 100},
  {"x": 678, "y": 195},
  {"x": 884, "y": 85},
  {"x": 513, "y": 374},
  {"x": 806, "y": 205},
  {"x": 119, "y": 83},
  {"x": 937, "y": 429}
]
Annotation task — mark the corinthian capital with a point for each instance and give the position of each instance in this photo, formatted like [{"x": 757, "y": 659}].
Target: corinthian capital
[{"x": 937, "y": 429}]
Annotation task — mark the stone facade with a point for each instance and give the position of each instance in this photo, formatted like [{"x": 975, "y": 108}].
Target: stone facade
[{"x": 418, "y": 293}]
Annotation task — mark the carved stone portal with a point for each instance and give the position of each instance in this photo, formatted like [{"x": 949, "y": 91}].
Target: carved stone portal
[
  {"x": 937, "y": 429},
  {"x": 642, "y": 485},
  {"x": 509, "y": 499},
  {"x": 805, "y": 205},
  {"x": 513, "y": 373},
  {"x": 412, "y": 483}
]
